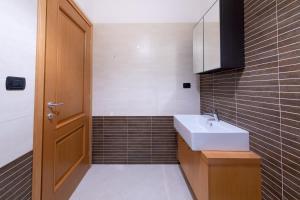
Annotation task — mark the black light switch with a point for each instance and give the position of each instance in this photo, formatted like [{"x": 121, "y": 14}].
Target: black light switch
[
  {"x": 15, "y": 83},
  {"x": 186, "y": 85}
]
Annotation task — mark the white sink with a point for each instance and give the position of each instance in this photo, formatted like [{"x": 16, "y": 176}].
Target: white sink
[{"x": 201, "y": 134}]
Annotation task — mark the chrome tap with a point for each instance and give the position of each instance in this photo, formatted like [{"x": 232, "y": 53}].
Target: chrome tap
[{"x": 214, "y": 114}]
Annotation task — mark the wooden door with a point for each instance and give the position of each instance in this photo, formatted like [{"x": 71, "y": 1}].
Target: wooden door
[{"x": 67, "y": 111}]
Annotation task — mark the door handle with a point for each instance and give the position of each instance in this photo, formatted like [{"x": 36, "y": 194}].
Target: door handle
[{"x": 53, "y": 104}]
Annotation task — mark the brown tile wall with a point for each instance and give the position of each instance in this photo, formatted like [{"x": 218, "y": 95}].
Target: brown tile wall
[
  {"x": 134, "y": 140},
  {"x": 16, "y": 179},
  {"x": 264, "y": 97}
]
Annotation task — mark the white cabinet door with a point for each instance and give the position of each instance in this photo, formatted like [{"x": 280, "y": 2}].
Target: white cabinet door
[
  {"x": 212, "y": 41},
  {"x": 198, "y": 48}
]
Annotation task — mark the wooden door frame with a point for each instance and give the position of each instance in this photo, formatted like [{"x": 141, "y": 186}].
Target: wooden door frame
[{"x": 40, "y": 93}]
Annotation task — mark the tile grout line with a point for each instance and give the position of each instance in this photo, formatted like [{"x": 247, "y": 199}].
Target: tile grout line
[
  {"x": 127, "y": 151},
  {"x": 114, "y": 154},
  {"x": 213, "y": 87},
  {"x": 6, "y": 193},
  {"x": 102, "y": 139},
  {"x": 235, "y": 99},
  {"x": 21, "y": 180},
  {"x": 28, "y": 159},
  {"x": 18, "y": 171},
  {"x": 151, "y": 145},
  {"x": 279, "y": 92},
  {"x": 252, "y": 18}
]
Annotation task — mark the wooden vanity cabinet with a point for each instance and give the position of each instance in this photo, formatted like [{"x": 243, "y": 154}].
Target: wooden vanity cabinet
[{"x": 215, "y": 175}]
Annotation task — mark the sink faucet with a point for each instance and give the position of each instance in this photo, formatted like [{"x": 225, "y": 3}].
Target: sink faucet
[{"x": 214, "y": 114}]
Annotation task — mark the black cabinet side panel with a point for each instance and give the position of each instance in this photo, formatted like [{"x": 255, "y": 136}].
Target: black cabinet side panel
[{"x": 232, "y": 33}]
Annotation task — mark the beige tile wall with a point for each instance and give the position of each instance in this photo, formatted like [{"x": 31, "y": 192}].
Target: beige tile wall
[{"x": 139, "y": 70}]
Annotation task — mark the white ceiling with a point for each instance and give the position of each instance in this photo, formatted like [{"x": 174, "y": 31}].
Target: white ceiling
[{"x": 144, "y": 11}]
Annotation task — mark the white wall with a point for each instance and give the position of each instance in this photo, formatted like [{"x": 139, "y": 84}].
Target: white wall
[
  {"x": 139, "y": 70},
  {"x": 17, "y": 58},
  {"x": 144, "y": 11}
]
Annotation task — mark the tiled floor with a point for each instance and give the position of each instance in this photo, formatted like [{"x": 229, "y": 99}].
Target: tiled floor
[{"x": 133, "y": 182}]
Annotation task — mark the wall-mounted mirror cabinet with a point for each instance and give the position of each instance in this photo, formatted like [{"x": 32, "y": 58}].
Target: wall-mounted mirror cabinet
[
  {"x": 218, "y": 41},
  {"x": 198, "y": 40}
]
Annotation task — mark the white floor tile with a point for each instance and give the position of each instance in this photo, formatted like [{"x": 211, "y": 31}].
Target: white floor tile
[{"x": 133, "y": 182}]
